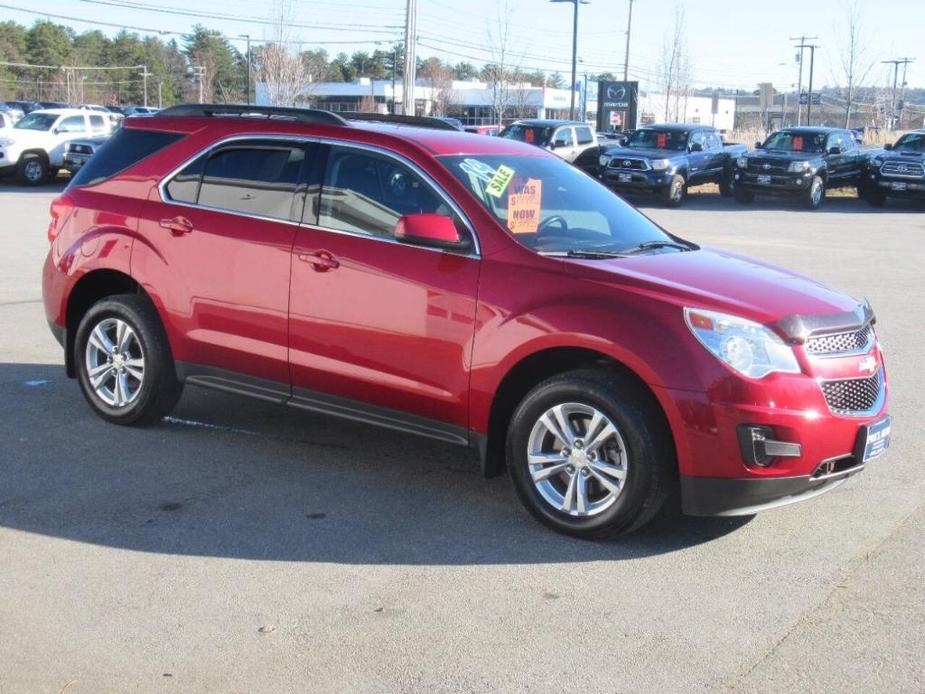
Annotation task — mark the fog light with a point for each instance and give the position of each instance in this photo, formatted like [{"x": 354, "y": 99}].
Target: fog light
[{"x": 759, "y": 448}]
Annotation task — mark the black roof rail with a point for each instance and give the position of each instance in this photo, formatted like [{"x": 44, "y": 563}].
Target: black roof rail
[
  {"x": 418, "y": 121},
  {"x": 303, "y": 115}
]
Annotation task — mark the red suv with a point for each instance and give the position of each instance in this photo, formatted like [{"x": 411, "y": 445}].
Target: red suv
[{"x": 470, "y": 289}]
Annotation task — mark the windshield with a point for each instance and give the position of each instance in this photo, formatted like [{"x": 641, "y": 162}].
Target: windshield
[
  {"x": 657, "y": 139},
  {"x": 910, "y": 142},
  {"x": 550, "y": 206},
  {"x": 37, "y": 121},
  {"x": 796, "y": 141},
  {"x": 531, "y": 134}
]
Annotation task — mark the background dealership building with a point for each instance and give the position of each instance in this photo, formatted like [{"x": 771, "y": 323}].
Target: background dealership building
[{"x": 471, "y": 102}]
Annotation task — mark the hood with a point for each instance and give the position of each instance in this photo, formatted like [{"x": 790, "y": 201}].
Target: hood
[
  {"x": 902, "y": 156},
  {"x": 773, "y": 155},
  {"x": 644, "y": 153},
  {"x": 714, "y": 279}
]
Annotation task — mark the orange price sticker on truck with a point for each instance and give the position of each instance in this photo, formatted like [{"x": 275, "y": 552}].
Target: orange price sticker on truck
[{"x": 523, "y": 208}]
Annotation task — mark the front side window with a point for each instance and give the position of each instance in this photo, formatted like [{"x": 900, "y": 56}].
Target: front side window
[
  {"x": 367, "y": 193},
  {"x": 650, "y": 138},
  {"x": 258, "y": 180},
  {"x": 72, "y": 124},
  {"x": 37, "y": 121},
  {"x": 550, "y": 206},
  {"x": 796, "y": 141}
]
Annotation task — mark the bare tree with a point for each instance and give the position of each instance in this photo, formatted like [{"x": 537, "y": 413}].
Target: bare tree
[
  {"x": 675, "y": 67},
  {"x": 497, "y": 73},
  {"x": 440, "y": 78},
  {"x": 854, "y": 55},
  {"x": 284, "y": 72}
]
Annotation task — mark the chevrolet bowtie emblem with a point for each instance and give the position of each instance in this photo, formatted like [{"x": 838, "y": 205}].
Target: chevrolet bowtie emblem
[{"x": 868, "y": 364}]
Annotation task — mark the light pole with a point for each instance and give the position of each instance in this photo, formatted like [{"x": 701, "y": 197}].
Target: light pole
[
  {"x": 575, "y": 4},
  {"x": 407, "y": 97},
  {"x": 247, "y": 58},
  {"x": 629, "y": 28}
]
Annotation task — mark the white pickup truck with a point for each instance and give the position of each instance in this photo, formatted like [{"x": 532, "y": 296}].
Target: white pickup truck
[{"x": 33, "y": 148}]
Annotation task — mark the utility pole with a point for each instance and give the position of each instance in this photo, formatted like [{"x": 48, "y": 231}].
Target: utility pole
[
  {"x": 407, "y": 97},
  {"x": 394, "y": 66},
  {"x": 247, "y": 57},
  {"x": 629, "y": 29},
  {"x": 575, "y": 4},
  {"x": 896, "y": 63},
  {"x": 160, "y": 101},
  {"x": 200, "y": 74},
  {"x": 809, "y": 98},
  {"x": 801, "y": 45},
  {"x": 144, "y": 77}
]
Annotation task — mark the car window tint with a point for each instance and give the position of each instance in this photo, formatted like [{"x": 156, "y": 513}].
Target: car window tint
[
  {"x": 97, "y": 123},
  {"x": 72, "y": 124},
  {"x": 253, "y": 180},
  {"x": 367, "y": 193},
  {"x": 585, "y": 136},
  {"x": 184, "y": 187}
]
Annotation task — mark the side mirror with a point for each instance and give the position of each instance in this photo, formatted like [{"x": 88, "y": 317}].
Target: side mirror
[
  {"x": 432, "y": 230},
  {"x": 758, "y": 145},
  {"x": 57, "y": 131},
  {"x": 696, "y": 147},
  {"x": 888, "y": 146},
  {"x": 834, "y": 150}
]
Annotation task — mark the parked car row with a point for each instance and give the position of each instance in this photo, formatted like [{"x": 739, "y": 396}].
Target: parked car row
[{"x": 667, "y": 160}]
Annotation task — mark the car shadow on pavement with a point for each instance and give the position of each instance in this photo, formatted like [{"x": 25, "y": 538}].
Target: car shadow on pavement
[
  {"x": 838, "y": 202},
  {"x": 11, "y": 186},
  {"x": 228, "y": 477}
]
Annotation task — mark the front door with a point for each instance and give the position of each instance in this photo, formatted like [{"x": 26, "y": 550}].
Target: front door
[
  {"x": 220, "y": 256},
  {"x": 373, "y": 320}
]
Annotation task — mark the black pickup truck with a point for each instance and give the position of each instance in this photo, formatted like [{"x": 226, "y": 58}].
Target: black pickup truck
[
  {"x": 668, "y": 159},
  {"x": 896, "y": 171},
  {"x": 800, "y": 162}
]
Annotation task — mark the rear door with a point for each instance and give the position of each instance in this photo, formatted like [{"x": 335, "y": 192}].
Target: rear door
[
  {"x": 222, "y": 233},
  {"x": 567, "y": 134},
  {"x": 697, "y": 168},
  {"x": 375, "y": 322}
]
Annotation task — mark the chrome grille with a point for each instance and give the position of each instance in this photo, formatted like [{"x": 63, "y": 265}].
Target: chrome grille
[
  {"x": 902, "y": 168},
  {"x": 768, "y": 166},
  {"x": 628, "y": 163},
  {"x": 853, "y": 396},
  {"x": 840, "y": 343}
]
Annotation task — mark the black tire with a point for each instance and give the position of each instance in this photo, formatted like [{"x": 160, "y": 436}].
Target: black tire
[
  {"x": 744, "y": 196},
  {"x": 650, "y": 470},
  {"x": 676, "y": 191},
  {"x": 727, "y": 183},
  {"x": 815, "y": 194},
  {"x": 32, "y": 170},
  {"x": 159, "y": 389}
]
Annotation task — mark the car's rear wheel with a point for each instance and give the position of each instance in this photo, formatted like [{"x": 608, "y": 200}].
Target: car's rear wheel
[
  {"x": 675, "y": 192},
  {"x": 32, "y": 170},
  {"x": 590, "y": 455},
  {"x": 815, "y": 194},
  {"x": 123, "y": 360}
]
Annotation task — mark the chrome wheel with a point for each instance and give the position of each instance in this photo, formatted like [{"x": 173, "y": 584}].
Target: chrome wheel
[
  {"x": 115, "y": 362},
  {"x": 577, "y": 459},
  {"x": 677, "y": 191},
  {"x": 815, "y": 194},
  {"x": 33, "y": 170}
]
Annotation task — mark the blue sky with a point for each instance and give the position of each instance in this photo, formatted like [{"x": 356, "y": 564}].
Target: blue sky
[{"x": 732, "y": 43}]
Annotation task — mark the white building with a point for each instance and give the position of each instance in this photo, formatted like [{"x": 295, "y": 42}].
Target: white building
[{"x": 697, "y": 110}]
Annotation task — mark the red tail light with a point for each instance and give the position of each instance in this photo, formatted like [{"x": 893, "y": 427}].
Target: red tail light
[{"x": 60, "y": 208}]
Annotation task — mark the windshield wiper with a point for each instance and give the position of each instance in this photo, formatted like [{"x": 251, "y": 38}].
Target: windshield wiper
[
  {"x": 649, "y": 245},
  {"x": 583, "y": 253}
]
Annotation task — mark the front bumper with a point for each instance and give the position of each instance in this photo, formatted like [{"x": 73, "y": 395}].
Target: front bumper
[
  {"x": 73, "y": 161},
  {"x": 776, "y": 184},
  {"x": 909, "y": 188},
  {"x": 637, "y": 181}
]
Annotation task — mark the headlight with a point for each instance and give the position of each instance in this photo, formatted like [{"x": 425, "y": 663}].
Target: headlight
[
  {"x": 603, "y": 160},
  {"x": 6, "y": 141},
  {"x": 742, "y": 162},
  {"x": 876, "y": 162},
  {"x": 745, "y": 346},
  {"x": 797, "y": 166},
  {"x": 658, "y": 164}
]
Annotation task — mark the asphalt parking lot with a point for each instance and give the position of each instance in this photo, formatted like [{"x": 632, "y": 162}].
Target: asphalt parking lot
[{"x": 239, "y": 547}]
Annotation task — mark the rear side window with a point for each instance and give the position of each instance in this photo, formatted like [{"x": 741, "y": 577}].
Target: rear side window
[
  {"x": 585, "y": 136},
  {"x": 97, "y": 123},
  {"x": 124, "y": 149},
  {"x": 253, "y": 180}
]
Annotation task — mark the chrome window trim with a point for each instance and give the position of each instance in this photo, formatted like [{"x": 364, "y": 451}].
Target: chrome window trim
[{"x": 475, "y": 252}]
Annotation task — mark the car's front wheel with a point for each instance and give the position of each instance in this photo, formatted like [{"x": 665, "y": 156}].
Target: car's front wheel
[
  {"x": 32, "y": 170},
  {"x": 589, "y": 454},
  {"x": 814, "y": 196},
  {"x": 675, "y": 192},
  {"x": 123, "y": 360}
]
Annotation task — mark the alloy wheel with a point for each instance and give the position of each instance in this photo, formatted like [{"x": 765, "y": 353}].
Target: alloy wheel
[
  {"x": 32, "y": 170},
  {"x": 577, "y": 459},
  {"x": 115, "y": 362}
]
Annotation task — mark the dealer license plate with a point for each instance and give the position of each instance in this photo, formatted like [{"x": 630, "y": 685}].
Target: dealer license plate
[
  {"x": 898, "y": 185},
  {"x": 625, "y": 178},
  {"x": 764, "y": 180},
  {"x": 875, "y": 439}
]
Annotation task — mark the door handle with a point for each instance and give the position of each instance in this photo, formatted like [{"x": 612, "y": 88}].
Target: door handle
[
  {"x": 321, "y": 260},
  {"x": 177, "y": 226}
]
